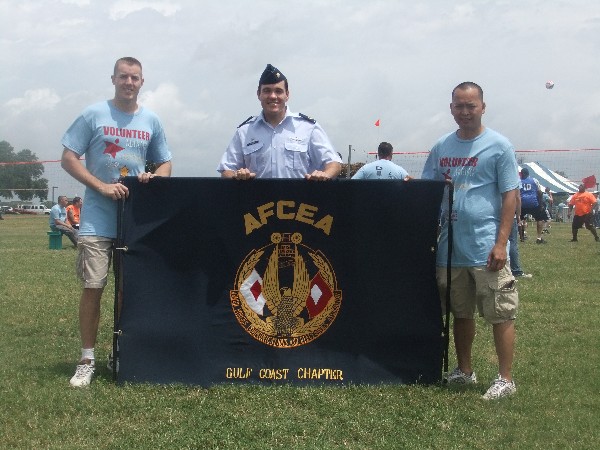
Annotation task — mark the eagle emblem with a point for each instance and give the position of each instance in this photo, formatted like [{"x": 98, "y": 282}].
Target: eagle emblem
[{"x": 286, "y": 293}]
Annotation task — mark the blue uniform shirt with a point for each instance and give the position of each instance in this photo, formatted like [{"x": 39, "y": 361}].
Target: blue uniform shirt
[{"x": 295, "y": 147}]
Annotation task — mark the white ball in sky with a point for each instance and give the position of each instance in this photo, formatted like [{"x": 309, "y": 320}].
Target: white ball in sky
[{"x": 549, "y": 84}]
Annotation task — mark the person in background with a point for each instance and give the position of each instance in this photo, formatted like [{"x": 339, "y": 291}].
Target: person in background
[
  {"x": 73, "y": 212},
  {"x": 279, "y": 143},
  {"x": 58, "y": 220},
  {"x": 383, "y": 168},
  {"x": 531, "y": 203},
  {"x": 513, "y": 248},
  {"x": 583, "y": 202},
  {"x": 98, "y": 134},
  {"x": 486, "y": 187},
  {"x": 548, "y": 203}
]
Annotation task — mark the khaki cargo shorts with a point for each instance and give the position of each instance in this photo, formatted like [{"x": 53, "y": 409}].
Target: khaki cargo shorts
[
  {"x": 93, "y": 261},
  {"x": 493, "y": 294}
]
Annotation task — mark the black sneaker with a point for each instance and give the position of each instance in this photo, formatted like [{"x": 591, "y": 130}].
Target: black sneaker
[{"x": 540, "y": 241}]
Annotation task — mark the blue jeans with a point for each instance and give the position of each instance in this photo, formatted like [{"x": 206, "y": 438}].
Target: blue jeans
[{"x": 513, "y": 250}]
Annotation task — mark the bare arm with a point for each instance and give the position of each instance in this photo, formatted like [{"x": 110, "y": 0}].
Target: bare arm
[
  {"x": 329, "y": 172},
  {"x": 240, "y": 174},
  {"x": 70, "y": 162},
  {"x": 497, "y": 257},
  {"x": 162, "y": 170}
]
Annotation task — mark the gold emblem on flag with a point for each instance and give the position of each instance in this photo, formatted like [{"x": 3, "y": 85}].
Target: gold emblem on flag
[{"x": 286, "y": 294}]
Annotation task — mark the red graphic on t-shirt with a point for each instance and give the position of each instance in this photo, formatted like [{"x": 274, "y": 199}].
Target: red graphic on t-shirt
[{"x": 112, "y": 149}]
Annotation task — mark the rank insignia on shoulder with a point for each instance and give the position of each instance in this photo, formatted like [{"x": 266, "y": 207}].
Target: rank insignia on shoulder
[
  {"x": 305, "y": 117},
  {"x": 245, "y": 121}
]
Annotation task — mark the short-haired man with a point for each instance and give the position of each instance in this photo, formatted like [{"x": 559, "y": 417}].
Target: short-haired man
[
  {"x": 278, "y": 143},
  {"x": 58, "y": 220},
  {"x": 73, "y": 212},
  {"x": 118, "y": 137},
  {"x": 383, "y": 168},
  {"x": 583, "y": 202},
  {"x": 481, "y": 165}
]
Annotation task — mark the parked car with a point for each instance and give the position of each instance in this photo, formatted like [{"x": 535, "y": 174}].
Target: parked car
[{"x": 33, "y": 209}]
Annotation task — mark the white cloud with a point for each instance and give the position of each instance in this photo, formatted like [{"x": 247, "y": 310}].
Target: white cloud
[
  {"x": 34, "y": 100},
  {"x": 121, "y": 9}
]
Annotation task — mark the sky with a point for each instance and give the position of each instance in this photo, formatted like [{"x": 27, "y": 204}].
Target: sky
[{"x": 348, "y": 63}]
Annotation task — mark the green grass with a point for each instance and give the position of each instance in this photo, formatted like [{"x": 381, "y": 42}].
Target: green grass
[{"x": 556, "y": 371}]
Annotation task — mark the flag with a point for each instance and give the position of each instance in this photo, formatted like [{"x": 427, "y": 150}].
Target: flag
[
  {"x": 377, "y": 123},
  {"x": 251, "y": 290},
  {"x": 268, "y": 282},
  {"x": 589, "y": 182},
  {"x": 319, "y": 296}
]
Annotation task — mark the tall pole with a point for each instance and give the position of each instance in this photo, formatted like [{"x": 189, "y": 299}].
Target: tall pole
[
  {"x": 349, "y": 160},
  {"x": 53, "y": 187}
]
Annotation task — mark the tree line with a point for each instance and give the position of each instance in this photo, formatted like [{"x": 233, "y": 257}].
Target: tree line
[{"x": 21, "y": 174}]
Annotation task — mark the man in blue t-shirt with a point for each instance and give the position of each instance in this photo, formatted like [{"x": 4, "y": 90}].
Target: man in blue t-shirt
[
  {"x": 481, "y": 166},
  {"x": 383, "y": 168},
  {"x": 118, "y": 137},
  {"x": 58, "y": 220},
  {"x": 531, "y": 204}
]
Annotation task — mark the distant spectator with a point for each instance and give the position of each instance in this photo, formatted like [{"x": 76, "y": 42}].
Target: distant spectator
[
  {"x": 547, "y": 203},
  {"x": 383, "y": 168},
  {"x": 73, "y": 211},
  {"x": 58, "y": 220}
]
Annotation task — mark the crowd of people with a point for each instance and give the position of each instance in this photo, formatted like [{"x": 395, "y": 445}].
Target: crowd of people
[{"x": 491, "y": 201}]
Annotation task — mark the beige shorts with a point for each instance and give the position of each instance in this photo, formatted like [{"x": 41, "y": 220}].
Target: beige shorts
[
  {"x": 493, "y": 294},
  {"x": 93, "y": 261}
]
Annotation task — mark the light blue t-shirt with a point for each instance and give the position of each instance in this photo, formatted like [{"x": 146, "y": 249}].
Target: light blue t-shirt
[
  {"x": 295, "y": 147},
  {"x": 382, "y": 169},
  {"x": 56, "y": 212},
  {"x": 481, "y": 169},
  {"x": 115, "y": 145}
]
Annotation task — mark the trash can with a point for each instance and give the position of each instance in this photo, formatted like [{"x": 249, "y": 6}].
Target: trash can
[{"x": 54, "y": 240}]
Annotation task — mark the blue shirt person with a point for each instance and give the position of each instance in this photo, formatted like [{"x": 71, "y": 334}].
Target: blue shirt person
[
  {"x": 383, "y": 168},
  {"x": 481, "y": 165}
]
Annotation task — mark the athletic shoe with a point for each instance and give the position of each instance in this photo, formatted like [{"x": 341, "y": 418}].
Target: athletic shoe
[
  {"x": 540, "y": 241},
  {"x": 457, "y": 376},
  {"x": 573, "y": 240},
  {"x": 83, "y": 374},
  {"x": 524, "y": 275},
  {"x": 500, "y": 388},
  {"x": 109, "y": 364}
]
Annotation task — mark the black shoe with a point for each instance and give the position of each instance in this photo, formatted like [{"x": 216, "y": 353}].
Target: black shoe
[
  {"x": 540, "y": 241},
  {"x": 597, "y": 238},
  {"x": 573, "y": 240}
]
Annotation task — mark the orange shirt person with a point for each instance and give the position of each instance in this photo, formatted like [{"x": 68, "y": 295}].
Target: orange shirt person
[
  {"x": 73, "y": 212},
  {"x": 583, "y": 202}
]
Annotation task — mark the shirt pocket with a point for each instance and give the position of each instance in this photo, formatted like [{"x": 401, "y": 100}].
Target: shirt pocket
[
  {"x": 255, "y": 158},
  {"x": 296, "y": 154}
]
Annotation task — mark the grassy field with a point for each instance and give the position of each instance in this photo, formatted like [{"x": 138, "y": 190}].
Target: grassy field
[{"x": 557, "y": 405}]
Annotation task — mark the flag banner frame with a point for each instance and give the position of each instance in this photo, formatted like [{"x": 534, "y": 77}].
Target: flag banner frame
[{"x": 279, "y": 281}]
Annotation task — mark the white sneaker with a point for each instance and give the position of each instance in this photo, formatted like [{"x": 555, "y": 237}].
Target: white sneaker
[
  {"x": 83, "y": 375},
  {"x": 500, "y": 388},
  {"x": 457, "y": 376}
]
